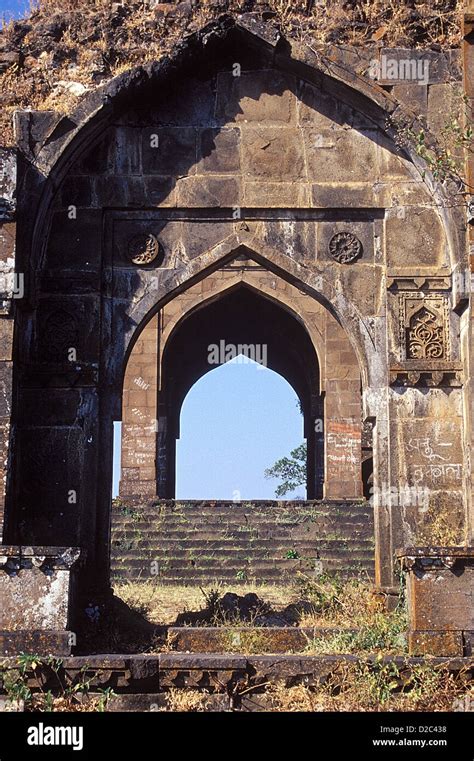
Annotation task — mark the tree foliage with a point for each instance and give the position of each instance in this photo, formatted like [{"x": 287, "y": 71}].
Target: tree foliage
[{"x": 290, "y": 470}]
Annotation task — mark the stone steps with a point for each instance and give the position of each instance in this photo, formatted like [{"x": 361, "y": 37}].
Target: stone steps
[
  {"x": 237, "y": 520},
  {"x": 267, "y": 639},
  {"x": 235, "y": 575},
  {"x": 237, "y": 557},
  {"x": 238, "y": 529},
  {"x": 198, "y": 542},
  {"x": 240, "y": 556},
  {"x": 243, "y": 526},
  {"x": 299, "y": 510}
]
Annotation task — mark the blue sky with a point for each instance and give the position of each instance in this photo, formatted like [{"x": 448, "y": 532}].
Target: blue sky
[
  {"x": 236, "y": 420},
  {"x": 16, "y": 8}
]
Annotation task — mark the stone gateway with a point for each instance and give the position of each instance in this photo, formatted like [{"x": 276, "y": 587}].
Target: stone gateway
[{"x": 273, "y": 203}]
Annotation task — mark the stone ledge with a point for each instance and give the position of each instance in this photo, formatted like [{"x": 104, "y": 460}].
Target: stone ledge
[
  {"x": 47, "y": 642},
  {"x": 149, "y": 674},
  {"x": 455, "y": 643},
  {"x": 425, "y": 558},
  {"x": 427, "y": 377},
  {"x": 270, "y": 639},
  {"x": 14, "y": 558}
]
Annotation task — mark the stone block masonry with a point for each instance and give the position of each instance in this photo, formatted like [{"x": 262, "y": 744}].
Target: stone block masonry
[
  {"x": 440, "y": 592},
  {"x": 36, "y": 589},
  {"x": 178, "y": 192}
]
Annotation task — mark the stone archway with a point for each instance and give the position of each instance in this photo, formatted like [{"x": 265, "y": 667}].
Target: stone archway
[
  {"x": 293, "y": 161},
  {"x": 304, "y": 343}
]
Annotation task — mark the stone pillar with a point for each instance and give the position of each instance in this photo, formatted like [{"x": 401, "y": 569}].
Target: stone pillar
[
  {"x": 427, "y": 483},
  {"x": 139, "y": 416},
  {"x": 440, "y": 594},
  {"x": 468, "y": 70},
  {"x": 342, "y": 416},
  {"x": 37, "y": 592},
  {"x": 11, "y": 286}
]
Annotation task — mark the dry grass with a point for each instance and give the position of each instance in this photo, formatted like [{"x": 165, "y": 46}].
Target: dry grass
[
  {"x": 345, "y": 604},
  {"x": 352, "y": 605},
  {"x": 383, "y": 687},
  {"x": 374, "y": 687},
  {"x": 396, "y": 23},
  {"x": 189, "y": 701},
  {"x": 324, "y": 602},
  {"x": 94, "y": 46},
  {"x": 162, "y": 603}
]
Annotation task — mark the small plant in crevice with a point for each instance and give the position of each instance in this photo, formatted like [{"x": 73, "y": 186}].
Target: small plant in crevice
[
  {"x": 446, "y": 157},
  {"x": 40, "y": 684}
]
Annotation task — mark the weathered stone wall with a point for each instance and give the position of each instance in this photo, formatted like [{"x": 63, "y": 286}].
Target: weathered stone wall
[
  {"x": 37, "y": 591},
  {"x": 175, "y": 171},
  {"x": 440, "y": 589}
]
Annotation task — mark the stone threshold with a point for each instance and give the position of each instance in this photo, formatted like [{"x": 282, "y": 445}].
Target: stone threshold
[
  {"x": 219, "y": 672},
  {"x": 267, "y": 639}
]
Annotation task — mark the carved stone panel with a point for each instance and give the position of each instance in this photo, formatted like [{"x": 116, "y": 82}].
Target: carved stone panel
[
  {"x": 424, "y": 328},
  {"x": 57, "y": 334},
  {"x": 422, "y": 352},
  {"x": 426, "y": 336}
]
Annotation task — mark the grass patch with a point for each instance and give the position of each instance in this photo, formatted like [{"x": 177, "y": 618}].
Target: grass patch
[
  {"x": 376, "y": 687},
  {"x": 322, "y": 602},
  {"x": 162, "y": 603}
]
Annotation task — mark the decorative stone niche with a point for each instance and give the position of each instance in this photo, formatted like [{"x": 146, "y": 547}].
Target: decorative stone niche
[
  {"x": 440, "y": 595},
  {"x": 36, "y": 586}
]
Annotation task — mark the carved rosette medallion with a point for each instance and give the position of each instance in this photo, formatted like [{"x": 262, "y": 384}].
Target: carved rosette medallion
[
  {"x": 143, "y": 248},
  {"x": 345, "y": 247}
]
